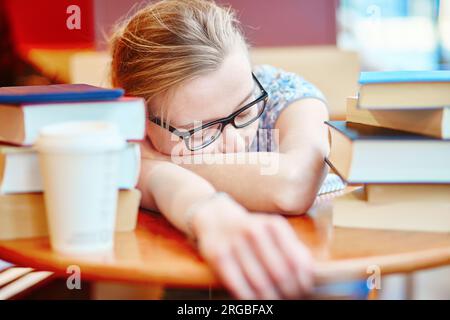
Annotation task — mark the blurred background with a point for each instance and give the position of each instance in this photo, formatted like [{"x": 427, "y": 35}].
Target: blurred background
[{"x": 327, "y": 41}]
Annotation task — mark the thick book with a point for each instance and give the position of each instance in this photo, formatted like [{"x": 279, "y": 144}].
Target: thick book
[
  {"x": 404, "y": 90},
  {"x": 352, "y": 210},
  {"x": 366, "y": 154},
  {"x": 57, "y": 93},
  {"x": 429, "y": 122},
  {"x": 20, "y": 125},
  {"x": 23, "y": 215},
  {"x": 389, "y": 193},
  {"x": 20, "y": 173}
]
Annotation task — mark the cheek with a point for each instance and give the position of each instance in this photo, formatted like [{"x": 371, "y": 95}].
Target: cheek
[{"x": 162, "y": 140}]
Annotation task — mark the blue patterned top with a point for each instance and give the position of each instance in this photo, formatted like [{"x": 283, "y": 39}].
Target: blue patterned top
[{"x": 283, "y": 88}]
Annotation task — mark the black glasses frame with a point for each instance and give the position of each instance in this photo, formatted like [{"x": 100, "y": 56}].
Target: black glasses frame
[{"x": 186, "y": 134}]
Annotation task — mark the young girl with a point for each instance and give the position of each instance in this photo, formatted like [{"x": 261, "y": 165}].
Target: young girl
[{"x": 227, "y": 144}]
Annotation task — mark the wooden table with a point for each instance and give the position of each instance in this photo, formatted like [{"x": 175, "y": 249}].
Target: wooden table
[{"x": 156, "y": 253}]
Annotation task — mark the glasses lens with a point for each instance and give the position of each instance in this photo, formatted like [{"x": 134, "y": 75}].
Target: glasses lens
[
  {"x": 204, "y": 137},
  {"x": 249, "y": 115}
]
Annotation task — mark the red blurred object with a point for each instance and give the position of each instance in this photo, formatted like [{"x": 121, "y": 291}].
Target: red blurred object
[
  {"x": 287, "y": 22},
  {"x": 265, "y": 22},
  {"x": 42, "y": 24}
]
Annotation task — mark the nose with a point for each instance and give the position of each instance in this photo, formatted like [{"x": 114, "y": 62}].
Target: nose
[{"x": 231, "y": 140}]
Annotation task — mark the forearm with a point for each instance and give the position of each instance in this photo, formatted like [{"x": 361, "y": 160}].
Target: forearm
[
  {"x": 270, "y": 182},
  {"x": 171, "y": 190},
  {"x": 263, "y": 181},
  {"x": 245, "y": 176},
  {"x": 232, "y": 241}
]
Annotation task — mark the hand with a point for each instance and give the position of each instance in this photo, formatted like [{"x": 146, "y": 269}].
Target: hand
[{"x": 257, "y": 256}]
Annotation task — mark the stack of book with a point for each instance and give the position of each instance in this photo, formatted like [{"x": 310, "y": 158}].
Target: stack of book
[
  {"x": 395, "y": 142},
  {"x": 23, "y": 112}
]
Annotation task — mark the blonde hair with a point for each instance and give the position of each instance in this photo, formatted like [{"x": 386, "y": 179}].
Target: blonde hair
[{"x": 171, "y": 41}]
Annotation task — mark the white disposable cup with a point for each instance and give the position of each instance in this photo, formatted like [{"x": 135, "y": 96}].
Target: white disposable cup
[{"x": 79, "y": 163}]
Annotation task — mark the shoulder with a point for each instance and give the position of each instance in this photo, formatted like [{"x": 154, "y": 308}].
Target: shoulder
[{"x": 285, "y": 85}]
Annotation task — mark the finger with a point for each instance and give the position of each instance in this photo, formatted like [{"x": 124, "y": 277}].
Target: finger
[
  {"x": 254, "y": 271},
  {"x": 274, "y": 262},
  {"x": 294, "y": 251},
  {"x": 291, "y": 244},
  {"x": 229, "y": 271}
]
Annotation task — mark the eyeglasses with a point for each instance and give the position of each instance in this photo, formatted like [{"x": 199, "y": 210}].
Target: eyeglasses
[{"x": 202, "y": 136}]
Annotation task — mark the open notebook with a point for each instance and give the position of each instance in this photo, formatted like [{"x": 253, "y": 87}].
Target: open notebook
[{"x": 331, "y": 183}]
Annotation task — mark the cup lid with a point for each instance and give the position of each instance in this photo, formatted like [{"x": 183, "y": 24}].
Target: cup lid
[{"x": 80, "y": 136}]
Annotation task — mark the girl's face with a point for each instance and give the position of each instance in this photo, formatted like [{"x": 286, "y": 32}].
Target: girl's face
[{"x": 206, "y": 98}]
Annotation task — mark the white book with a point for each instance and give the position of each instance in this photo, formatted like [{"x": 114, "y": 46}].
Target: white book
[
  {"x": 19, "y": 169},
  {"x": 363, "y": 154},
  {"x": 23, "y": 282},
  {"x": 20, "y": 124}
]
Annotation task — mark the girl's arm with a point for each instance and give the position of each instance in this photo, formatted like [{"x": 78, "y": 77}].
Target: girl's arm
[
  {"x": 287, "y": 181},
  {"x": 171, "y": 189},
  {"x": 256, "y": 256}
]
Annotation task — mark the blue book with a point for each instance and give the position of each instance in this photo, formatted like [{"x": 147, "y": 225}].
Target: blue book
[
  {"x": 57, "y": 93},
  {"x": 404, "y": 76},
  {"x": 394, "y": 90}
]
